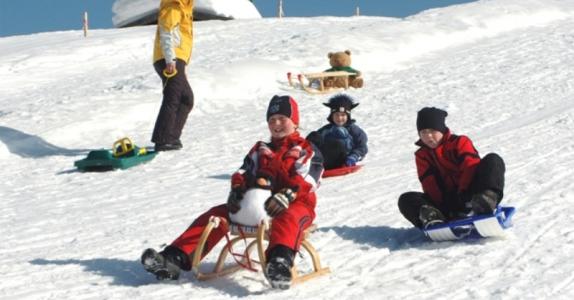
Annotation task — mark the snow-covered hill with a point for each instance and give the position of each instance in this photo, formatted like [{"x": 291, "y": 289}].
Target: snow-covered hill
[{"x": 503, "y": 69}]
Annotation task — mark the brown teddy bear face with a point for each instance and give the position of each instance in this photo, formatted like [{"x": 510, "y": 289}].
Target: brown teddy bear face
[{"x": 340, "y": 59}]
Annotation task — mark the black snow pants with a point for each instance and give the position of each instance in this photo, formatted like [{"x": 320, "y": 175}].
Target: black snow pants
[
  {"x": 489, "y": 175},
  {"x": 333, "y": 151},
  {"x": 175, "y": 107}
]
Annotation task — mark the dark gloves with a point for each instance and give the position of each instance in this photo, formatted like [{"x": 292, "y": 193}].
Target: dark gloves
[
  {"x": 279, "y": 201},
  {"x": 234, "y": 199}
]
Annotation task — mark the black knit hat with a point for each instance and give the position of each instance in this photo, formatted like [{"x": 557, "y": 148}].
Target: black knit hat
[{"x": 431, "y": 118}]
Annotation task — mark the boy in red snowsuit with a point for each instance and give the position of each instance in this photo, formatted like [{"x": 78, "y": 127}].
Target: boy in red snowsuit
[
  {"x": 290, "y": 168},
  {"x": 455, "y": 180}
]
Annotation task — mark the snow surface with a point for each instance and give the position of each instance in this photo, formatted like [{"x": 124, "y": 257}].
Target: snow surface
[
  {"x": 126, "y": 11},
  {"x": 503, "y": 69}
]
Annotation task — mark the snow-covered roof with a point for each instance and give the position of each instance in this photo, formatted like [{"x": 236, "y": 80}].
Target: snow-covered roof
[{"x": 139, "y": 12}]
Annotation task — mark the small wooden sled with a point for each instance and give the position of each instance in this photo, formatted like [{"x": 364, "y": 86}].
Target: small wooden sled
[
  {"x": 480, "y": 226},
  {"x": 341, "y": 171},
  {"x": 254, "y": 237},
  {"x": 316, "y": 81}
]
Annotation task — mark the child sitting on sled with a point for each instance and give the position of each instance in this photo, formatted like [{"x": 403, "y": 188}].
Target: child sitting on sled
[
  {"x": 290, "y": 169},
  {"x": 341, "y": 142},
  {"x": 456, "y": 182}
]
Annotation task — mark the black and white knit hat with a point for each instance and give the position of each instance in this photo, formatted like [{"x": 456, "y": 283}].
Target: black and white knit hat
[{"x": 341, "y": 103}]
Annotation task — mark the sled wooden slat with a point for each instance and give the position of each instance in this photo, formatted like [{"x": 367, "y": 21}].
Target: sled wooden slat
[
  {"x": 318, "y": 270},
  {"x": 258, "y": 238},
  {"x": 320, "y": 78},
  {"x": 328, "y": 74}
]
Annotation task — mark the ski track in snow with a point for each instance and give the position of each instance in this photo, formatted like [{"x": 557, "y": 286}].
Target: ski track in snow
[{"x": 506, "y": 82}]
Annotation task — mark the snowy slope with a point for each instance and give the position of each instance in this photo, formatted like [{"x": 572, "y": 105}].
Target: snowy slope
[{"x": 503, "y": 69}]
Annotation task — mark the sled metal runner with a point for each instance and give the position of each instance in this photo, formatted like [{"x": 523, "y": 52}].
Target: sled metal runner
[
  {"x": 480, "y": 226},
  {"x": 255, "y": 238},
  {"x": 318, "y": 79}
]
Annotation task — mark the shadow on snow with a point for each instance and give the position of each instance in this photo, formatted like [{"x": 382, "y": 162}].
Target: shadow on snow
[
  {"x": 380, "y": 236},
  {"x": 31, "y": 146},
  {"x": 124, "y": 272},
  {"x": 131, "y": 273},
  {"x": 220, "y": 176},
  {"x": 393, "y": 239}
]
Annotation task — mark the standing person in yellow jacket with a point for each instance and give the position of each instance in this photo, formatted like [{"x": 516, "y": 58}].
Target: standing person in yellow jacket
[{"x": 172, "y": 51}]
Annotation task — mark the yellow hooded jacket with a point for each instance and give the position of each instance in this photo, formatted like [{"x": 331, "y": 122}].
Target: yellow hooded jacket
[{"x": 174, "y": 35}]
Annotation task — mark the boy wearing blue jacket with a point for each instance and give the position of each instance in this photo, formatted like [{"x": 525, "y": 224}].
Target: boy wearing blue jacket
[{"x": 342, "y": 142}]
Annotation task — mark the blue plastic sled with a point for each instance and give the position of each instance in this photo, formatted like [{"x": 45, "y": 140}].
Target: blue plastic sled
[{"x": 479, "y": 226}]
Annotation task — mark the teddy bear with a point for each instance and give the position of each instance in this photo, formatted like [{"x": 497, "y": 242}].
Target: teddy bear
[{"x": 341, "y": 61}]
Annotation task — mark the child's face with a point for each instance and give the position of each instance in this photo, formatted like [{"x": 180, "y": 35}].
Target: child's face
[
  {"x": 339, "y": 118},
  {"x": 431, "y": 137},
  {"x": 280, "y": 126}
]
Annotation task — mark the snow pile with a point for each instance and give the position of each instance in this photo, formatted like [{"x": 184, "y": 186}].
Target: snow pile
[{"x": 503, "y": 69}]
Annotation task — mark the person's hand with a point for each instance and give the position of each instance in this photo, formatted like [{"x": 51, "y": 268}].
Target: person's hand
[
  {"x": 279, "y": 201},
  {"x": 234, "y": 200},
  {"x": 169, "y": 68},
  {"x": 351, "y": 161}
]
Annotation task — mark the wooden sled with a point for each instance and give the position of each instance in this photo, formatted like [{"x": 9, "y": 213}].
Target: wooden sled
[
  {"x": 255, "y": 238},
  {"x": 319, "y": 79},
  {"x": 341, "y": 171}
]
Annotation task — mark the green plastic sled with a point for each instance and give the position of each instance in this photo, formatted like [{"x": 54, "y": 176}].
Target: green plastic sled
[{"x": 124, "y": 155}]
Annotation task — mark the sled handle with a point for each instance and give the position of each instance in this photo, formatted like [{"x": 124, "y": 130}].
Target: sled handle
[
  {"x": 505, "y": 216},
  {"x": 122, "y": 147},
  {"x": 197, "y": 255},
  {"x": 169, "y": 75}
]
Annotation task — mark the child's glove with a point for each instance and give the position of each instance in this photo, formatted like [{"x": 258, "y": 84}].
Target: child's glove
[
  {"x": 234, "y": 198},
  {"x": 351, "y": 160},
  {"x": 277, "y": 203}
]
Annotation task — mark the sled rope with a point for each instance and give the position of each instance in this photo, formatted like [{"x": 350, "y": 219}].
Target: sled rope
[{"x": 245, "y": 254}]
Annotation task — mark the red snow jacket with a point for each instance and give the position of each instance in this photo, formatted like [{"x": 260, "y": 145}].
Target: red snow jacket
[
  {"x": 289, "y": 163},
  {"x": 446, "y": 172}
]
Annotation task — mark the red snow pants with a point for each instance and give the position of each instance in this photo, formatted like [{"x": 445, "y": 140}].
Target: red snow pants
[{"x": 286, "y": 229}]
